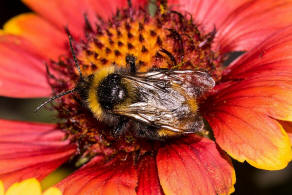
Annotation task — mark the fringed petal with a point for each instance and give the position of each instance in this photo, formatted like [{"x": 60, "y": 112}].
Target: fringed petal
[
  {"x": 46, "y": 39},
  {"x": 237, "y": 21},
  {"x": 62, "y": 13},
  {"x": 22, "y": 70},
  {"x": 106, "y": 9},
  {"x": 266, "y": 74},
  {"x": 269, "y": 57},
  {"x": 208, "y": 14},
  {"x": 30, "y": 150},
  {"x": 256, "y": 90},
  {"x": 249, "y": 135},
  {"x": 68, "y": 13},
  {"x": 253, "y": 22},
  {"x": 98, "y": 178},
  {"x": 194, "y": 165},
  {"x": 148, "y": 177}
]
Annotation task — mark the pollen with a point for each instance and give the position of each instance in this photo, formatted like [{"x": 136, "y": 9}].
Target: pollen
[{"x": 170, "y": 40}]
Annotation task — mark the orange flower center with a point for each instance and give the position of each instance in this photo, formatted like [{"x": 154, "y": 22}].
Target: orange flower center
[
  {"x": 168, "y": 40},
  {"x": 144, "y": 37}
]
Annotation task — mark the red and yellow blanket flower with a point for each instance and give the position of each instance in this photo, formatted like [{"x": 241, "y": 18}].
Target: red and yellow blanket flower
[{"x": 249, "y": 111}]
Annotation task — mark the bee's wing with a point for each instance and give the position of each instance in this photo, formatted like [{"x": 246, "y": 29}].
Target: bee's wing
[
  {"x": 193, "y": 82},
  {"x": 167, "y": 99},
  {"x": 182, "y": 120}
]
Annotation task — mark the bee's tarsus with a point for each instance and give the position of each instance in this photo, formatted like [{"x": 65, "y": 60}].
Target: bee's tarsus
[{"x": 172, "y": 58}]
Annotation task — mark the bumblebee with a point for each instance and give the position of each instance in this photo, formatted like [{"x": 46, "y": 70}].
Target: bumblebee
[{"x": 157, "y": 104}]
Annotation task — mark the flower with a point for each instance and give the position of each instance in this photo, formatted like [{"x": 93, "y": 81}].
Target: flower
[
  {"x": 249, "y": 109},
  {"x": 29, "y": 186}
]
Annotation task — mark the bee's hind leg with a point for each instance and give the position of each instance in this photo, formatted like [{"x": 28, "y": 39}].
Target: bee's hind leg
[{"x": 119, "y": 129}]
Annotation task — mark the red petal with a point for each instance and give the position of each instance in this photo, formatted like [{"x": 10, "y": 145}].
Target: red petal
[
  {"x": 49, "y": 41},
  {"x": 148, "y": 177},
  {"x": 99, "y": 178},
  {"x": 71, "y": 13},
  {"x": 241, "y": 112},
  {"x": 62, "y": 13},
  {"x": 107, "y": 8},
  {"x": 252, "y": 22},
  {"x": 30, "y": 150},
  {"x": 269, "y": 72},
  {"x": 249, "y": 135},
  {"x": 208, "y": 14},
  {"x": 22, "y": 70},
  {"x": 270, "y": 56},
  {"x": 194, "y": 166}
]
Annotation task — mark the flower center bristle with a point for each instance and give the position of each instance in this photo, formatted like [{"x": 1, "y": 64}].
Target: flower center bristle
[{"x": 167, "y": 40}]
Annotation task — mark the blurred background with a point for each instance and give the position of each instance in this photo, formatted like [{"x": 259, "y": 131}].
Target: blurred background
[{"x": 249, "y": 180}]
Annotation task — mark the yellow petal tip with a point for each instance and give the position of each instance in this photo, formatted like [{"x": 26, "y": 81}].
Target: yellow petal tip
[
  {"x": 13, "y": 25},
  {"x": 52, "y": 191}
]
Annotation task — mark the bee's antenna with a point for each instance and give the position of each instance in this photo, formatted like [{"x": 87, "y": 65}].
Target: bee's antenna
[
  {"x": 53, "y": 98},
  {"x": 129, "y": 3},
  {"x": 73, "y": 53},
  {"x": 79, "y": 70}
]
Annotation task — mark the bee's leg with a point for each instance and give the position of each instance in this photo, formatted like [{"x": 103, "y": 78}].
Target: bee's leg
[
  {"x": 178, "y": 39},
  {"x": 147, "y": 132},
  {"x": 120, "y": 127},
  {"x": 129, "y": 3},
  {"x": 131, "y": 61}
]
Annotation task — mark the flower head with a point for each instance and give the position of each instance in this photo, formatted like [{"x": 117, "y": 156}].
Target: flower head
[{"x": 248, "y": 110}]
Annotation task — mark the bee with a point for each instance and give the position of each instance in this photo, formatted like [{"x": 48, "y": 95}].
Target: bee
[{"x": 158, "y": 104}]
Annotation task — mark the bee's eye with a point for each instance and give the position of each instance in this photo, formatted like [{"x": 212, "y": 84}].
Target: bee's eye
[{"x": 111, "y": 91}]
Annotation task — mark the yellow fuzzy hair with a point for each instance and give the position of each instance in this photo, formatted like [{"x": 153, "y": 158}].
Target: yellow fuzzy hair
[{"x": 93, "y": 102}]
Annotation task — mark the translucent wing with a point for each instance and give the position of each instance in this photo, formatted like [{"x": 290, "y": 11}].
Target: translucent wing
[
  {"x": 166, "y": 98},
  {"x": 193, "y": 82}
]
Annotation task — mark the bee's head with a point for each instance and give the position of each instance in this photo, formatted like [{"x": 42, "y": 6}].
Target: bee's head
[
  {"x": 106, "y": 91},
  {"x": 111, "y": 91}
]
